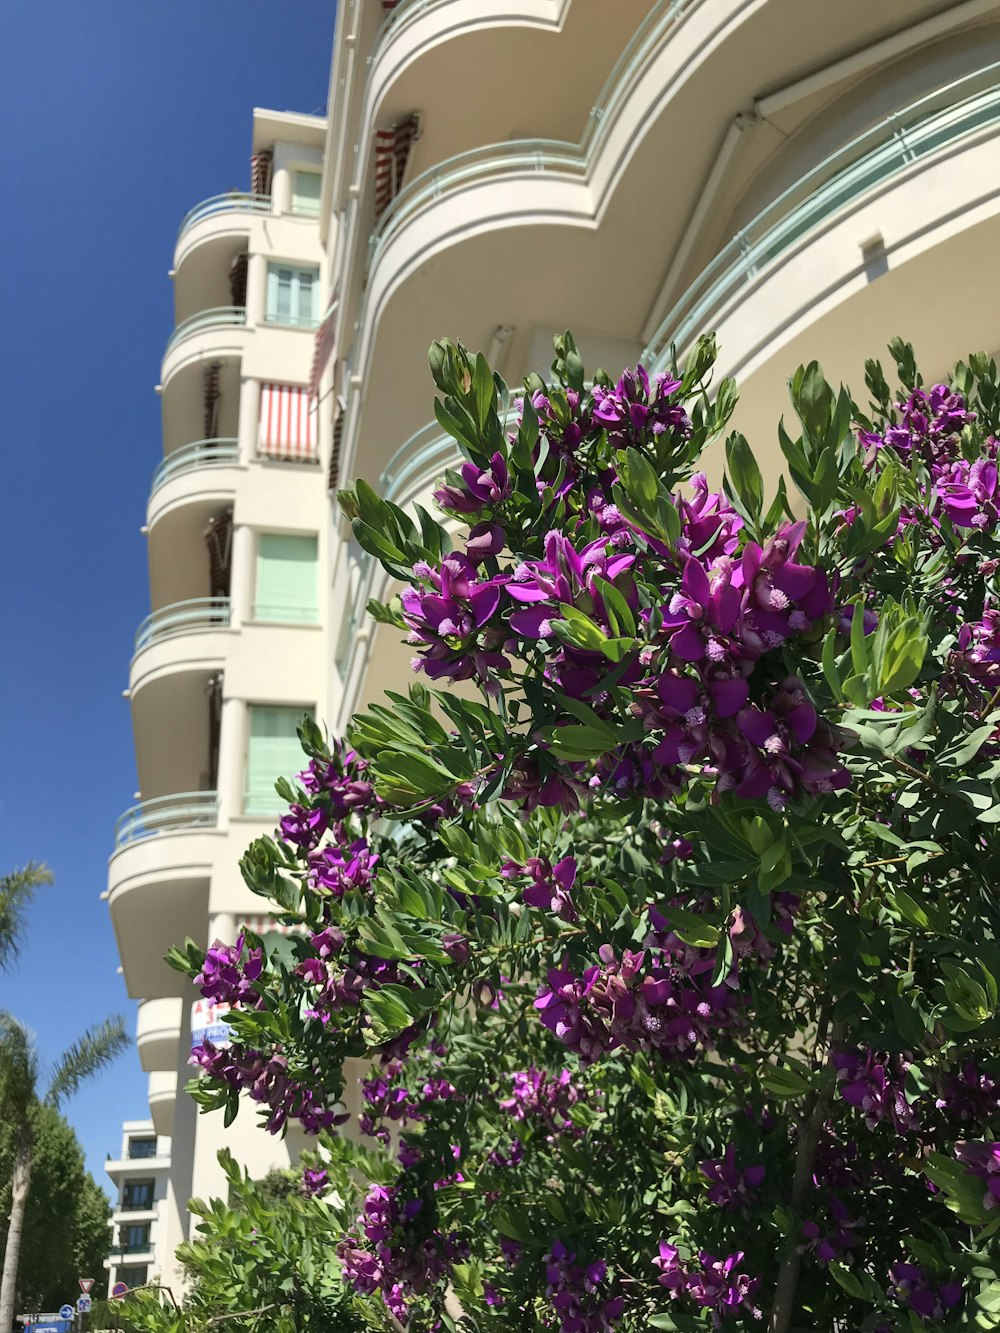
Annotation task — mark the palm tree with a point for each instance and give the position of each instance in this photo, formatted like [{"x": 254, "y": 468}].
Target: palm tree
[
  {"x": 18, "y": 1093},
  {"x": 16, "y": 891}
]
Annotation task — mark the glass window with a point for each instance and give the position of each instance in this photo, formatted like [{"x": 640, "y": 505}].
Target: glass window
[
  {"x": 142, "y": 1147},
  {"x": 273, "y": 752},
  {"x": 133, "y": 1275},
  {"x": 292, "y": 296},
  {"x": 137, "y": 1195},
  {"x": 286, "y": 578},
  {"x": 134, "y": 1239},
  {"x": 305, "y": 193}
]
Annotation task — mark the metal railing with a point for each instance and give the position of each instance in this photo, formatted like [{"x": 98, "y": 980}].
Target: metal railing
[
  {"x": 199, "y": 613},
  {"x": 218, "y": 317},
  {"x": 233, "y": 202},
  {"x": 167, "y": 814},
  {"x": 873, "y": 158},
  {"x": 528, "y": 156},
  {"x": 193, "y": 457}
]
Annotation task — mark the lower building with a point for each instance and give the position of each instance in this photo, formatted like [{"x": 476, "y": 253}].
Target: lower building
[{"x": 138, "y": 1254}]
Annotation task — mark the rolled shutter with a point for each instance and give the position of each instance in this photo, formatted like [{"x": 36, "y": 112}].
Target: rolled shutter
[
  {"x": 273, "y": 752},
  {"x": 286, "y": 578}
]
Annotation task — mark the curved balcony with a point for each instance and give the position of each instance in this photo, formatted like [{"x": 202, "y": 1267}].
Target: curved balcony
[
  {"x": 158, "y": 883},
  {"x": 162, "y": 1098},
  {"x": 195, "y": 457},
  {"x": 188, "y": 486},
  {"x": 157, "y": 1033},
  {"x": 215, "y": 333},
  {"x": 195, "y": 615},
  {"x": 224, "y": 208},
  {"x": 896, "y": 146},
  {"x": 178, "y": 813}
]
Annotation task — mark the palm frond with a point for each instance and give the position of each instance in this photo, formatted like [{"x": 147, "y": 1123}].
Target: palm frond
[
  {"x": 97, "y": 1048},
  {"x": 16, "y": 891},
  {"x": 18, "y": 1068}
]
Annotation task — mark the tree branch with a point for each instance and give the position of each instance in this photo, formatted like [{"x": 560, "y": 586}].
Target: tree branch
[{"x": 805, "y": 1156}]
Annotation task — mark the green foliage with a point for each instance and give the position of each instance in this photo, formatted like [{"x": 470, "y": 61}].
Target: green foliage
[{"x": 66, "y": 1221}]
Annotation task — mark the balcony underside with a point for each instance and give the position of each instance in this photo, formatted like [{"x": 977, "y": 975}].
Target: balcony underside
[{"x": 170, "y": 712}]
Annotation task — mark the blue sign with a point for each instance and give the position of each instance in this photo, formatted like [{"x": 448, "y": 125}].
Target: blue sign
[
  {"x": 50, "y": 1326},
  {"x": 65, "y": 1312}
]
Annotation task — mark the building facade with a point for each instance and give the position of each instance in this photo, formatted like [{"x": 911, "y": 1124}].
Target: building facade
[
  {"x": 138, "y": 1253},
  {"x": 805, "y": 179}
]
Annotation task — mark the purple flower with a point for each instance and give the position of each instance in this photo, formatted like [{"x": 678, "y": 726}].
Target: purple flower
[
  {"x": 228, "y": 973},
  {"x": 912, "y": 1289},
  {"x": 732, "y": 1187},
  {"x": 875, "y": 1086},
  {"x": 983, "y": 1161},
  {"x": 478, "y": 490},
  {"x": 448, "y": 618},
  {"x": 314, "y": 1181},
  {"x": 304, "y": 825},
  {"x": 550, "y": 884},
  {"x": 573, "y": 1291}
]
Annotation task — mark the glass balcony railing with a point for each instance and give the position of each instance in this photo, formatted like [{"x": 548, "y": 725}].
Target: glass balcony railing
[
  {"x": 218, "y": 317},
  {"x": 193, "y": 457},
  {"x": 199, "y": 613},
  {"x": 945, "y": 117},
  {"x": 233, "y": 202},
  {"x": 529, "y": 155},
  {"x": 167, "y": 814}
]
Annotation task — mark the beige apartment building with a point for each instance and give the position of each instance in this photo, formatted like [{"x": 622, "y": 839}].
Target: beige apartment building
[{"x": 805, "y": 178}]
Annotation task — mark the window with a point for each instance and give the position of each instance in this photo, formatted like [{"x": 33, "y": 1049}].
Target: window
[
  {"x": 133, "y": 1275},
  {"x": 292, "y": 296},
  {"x": 286, "y": 578},
  {"x": 134, "y": 1239},
  {"x": 142, "y": 1147},
  {"x": 137, "y": 1195},
  {"x": 273, "y": 752},
  {"x": 305, "y": 193}
]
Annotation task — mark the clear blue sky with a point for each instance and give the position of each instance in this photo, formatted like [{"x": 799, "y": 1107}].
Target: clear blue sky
[{"x": 117, "y": 116}]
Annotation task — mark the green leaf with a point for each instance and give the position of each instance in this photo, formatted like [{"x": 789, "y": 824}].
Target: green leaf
[
  {"x": 484, "y": 389},
  {"x": 781, "y": 1082},
  {"x": 745, "y": 474}
]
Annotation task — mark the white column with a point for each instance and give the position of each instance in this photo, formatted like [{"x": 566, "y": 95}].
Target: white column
[
  {"x": 241, "y": 575},
  {"x": 249, "y": 419},
  {"x": 281, "y": 190},
  {"x": 222, "y": 927},
  {"x": 232, "y": 745},
  {"x": 256, "y": 289}
]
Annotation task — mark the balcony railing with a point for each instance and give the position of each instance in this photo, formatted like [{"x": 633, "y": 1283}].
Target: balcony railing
[
  {"x": 530, "y": 155},
  {"x": 938, "y": 120},
  {"x": 199, "y": 613},
  {"x": 233, "y": 202},
  {"x": 194, "y": 457},
  {"x": 218, "y": 317},
  {"x": 167, "y": 814}
]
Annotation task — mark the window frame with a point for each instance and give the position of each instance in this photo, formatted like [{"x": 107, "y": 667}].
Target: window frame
[{"x": 293, "y": 319}]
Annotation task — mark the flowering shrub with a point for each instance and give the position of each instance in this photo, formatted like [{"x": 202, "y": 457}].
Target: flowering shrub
[{"x": 665, "y": 950}]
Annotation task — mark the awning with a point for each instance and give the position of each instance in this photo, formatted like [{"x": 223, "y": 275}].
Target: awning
[
  {"x": 333, "y": 478},
  {"x": 238, "y": 266},
  {"x": 219, "y": 540},
  {"x": 260, "y": 172},
  {"x": 392, "y": 151},
  {"x": 323, "y": 345},
  {"x": 211, "y": 399},
  {"x": 288, "y": 420}
]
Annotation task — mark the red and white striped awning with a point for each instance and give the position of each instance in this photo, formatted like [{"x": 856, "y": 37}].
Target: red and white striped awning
[
  {"x": 392, "y": 151},
  {"x": 288, "y": 424},
  {"x": 260, "y": 172},
  {"x": 323, "y": 345}
]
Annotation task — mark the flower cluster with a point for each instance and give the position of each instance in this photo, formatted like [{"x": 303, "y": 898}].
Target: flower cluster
[
  {"x": 574, "y": 1292},
  {"x": 713, "y": 1284},
  {"x": 836, "y": 1238},
  {"x": 229, "y": 972},
  {"x": 542, "y": 1098},
  {"x": 659, "y": 999},
  {"x": 266, "y": 1079},
  {"x": 387, "y": 1100},
  {"x": 388, "y": 1258},
  {"x": 969, "y": 1094},
  {"x": 336, "y": 870},
  {"x": 341, "y": 782},
  {"x": 635, "y": 405},
  {"x": 732, "y": 1186},
  {"x": 913, "y": 1290},
  {"x": 874, "y": 1084},
  {"x": 983, "y": 1162},
  {"x": 550, "y": 885},
  {"x": 314, "y": 1181}
]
